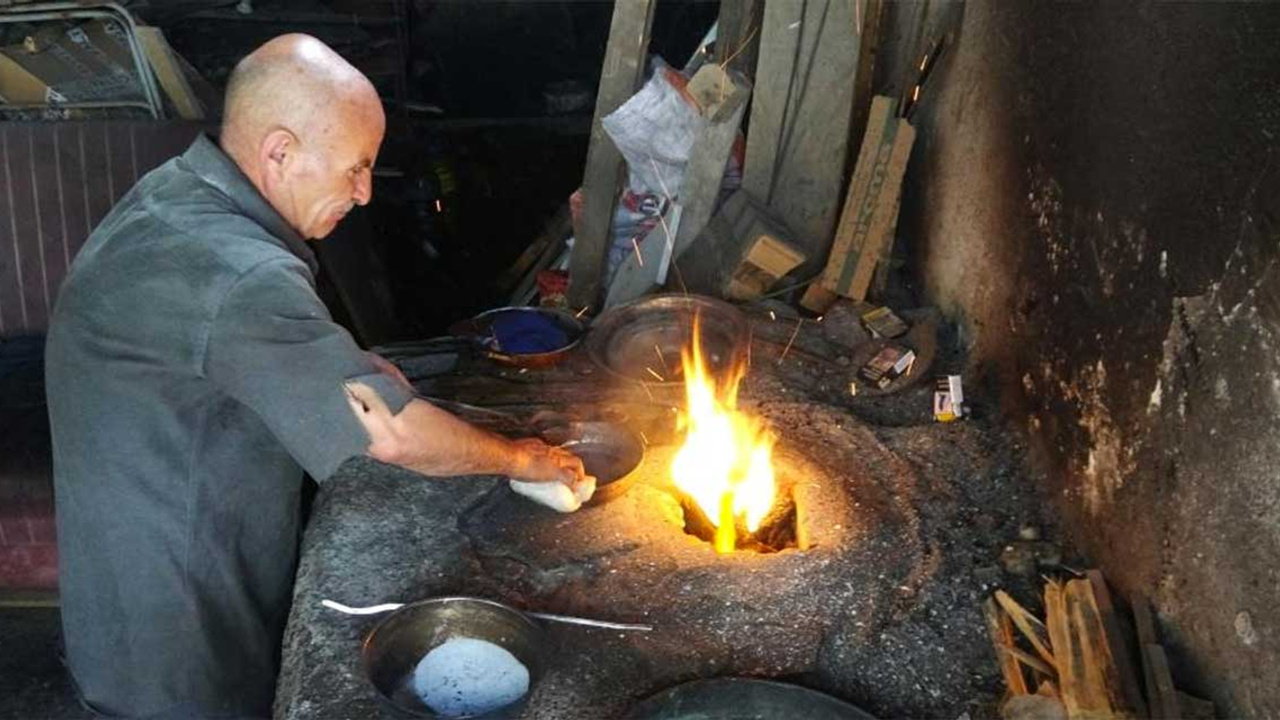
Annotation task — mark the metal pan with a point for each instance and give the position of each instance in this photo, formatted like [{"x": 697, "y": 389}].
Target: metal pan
[
  {"x": 478, "y": 327},
  {"x": 610, "y": 452},
  {"x": 394, "y": 647}
]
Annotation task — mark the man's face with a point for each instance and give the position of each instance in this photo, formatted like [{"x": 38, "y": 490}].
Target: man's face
[{"x": 331, "y": 172}]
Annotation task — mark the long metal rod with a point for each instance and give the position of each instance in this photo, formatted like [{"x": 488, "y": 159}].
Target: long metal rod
[{"x": 567, "y": 619}]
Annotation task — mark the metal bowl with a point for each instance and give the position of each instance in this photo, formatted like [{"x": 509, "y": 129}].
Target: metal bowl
[
  {"x": 610, "y": 452},
  {"x": 394, "y": 647},
  {"x": 642, "y": 340},
  {"x": 743, "y": 699}
]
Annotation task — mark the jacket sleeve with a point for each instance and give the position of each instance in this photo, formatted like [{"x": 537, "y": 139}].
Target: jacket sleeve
[{"x": 273, "y": 347}]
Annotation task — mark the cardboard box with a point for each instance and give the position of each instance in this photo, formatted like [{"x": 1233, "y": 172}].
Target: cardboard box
[
  {"x": 742, "y": 252},
  {"x": 948, "y": 399},
  {"x": 767, "y": 259},
  {"x": 864, "y": 235},
  {"x": 890, "y": 363},
  {"x": 883, "y": 323}
]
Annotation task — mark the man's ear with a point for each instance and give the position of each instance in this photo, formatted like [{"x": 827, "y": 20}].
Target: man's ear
[{"x": 276, "y": 154}]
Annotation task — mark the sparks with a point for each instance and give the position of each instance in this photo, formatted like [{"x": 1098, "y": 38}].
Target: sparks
[{"x": 794, "y": 333}]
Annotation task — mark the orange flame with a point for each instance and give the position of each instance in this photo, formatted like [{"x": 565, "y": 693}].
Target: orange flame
[{"x": 725, "y": 463}]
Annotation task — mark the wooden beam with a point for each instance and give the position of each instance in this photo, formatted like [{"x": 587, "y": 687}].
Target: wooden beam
[{"x": 624, "y": 67}]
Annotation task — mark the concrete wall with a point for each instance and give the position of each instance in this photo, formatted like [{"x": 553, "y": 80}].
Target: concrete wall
[{"x": 1095, "y": 200}]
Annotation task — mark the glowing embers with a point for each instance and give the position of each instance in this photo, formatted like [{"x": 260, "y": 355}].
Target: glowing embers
[{"x": 779, "y": 530}]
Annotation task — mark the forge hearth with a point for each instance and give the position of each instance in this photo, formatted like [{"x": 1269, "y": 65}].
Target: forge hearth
[{"x": 780, "y": 530}]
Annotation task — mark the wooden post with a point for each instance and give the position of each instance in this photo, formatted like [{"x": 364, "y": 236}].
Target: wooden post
[{"x": 624, "y": 67}]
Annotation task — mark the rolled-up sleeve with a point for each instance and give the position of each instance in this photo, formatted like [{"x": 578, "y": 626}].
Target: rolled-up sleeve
[{"x": 273, "y": 347}]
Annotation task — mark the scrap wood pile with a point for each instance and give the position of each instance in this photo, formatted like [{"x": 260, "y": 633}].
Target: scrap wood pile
[{"x": 1077, "y": 662}]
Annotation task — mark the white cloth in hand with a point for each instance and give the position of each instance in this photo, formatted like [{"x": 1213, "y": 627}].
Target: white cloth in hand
[{"x": 555, "y": 495}]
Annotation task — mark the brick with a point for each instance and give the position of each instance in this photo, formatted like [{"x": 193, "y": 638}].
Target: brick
[{"x": 14, "y": 531}]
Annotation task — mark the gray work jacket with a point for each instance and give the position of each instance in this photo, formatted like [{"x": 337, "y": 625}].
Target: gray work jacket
[{"x": 193, "y": 374}]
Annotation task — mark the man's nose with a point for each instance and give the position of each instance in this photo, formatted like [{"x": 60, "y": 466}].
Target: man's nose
[{"x": 363, "y": 191}]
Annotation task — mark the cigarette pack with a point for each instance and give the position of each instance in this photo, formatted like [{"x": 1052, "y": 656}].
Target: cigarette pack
[
  {"x": 882, "y": 323},
  {"x": 948, "y": 399},
  {"x": 888, "y": 364}
]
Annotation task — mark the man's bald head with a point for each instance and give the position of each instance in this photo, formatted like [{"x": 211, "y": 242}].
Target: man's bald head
[{"x": 297, "y": 119}]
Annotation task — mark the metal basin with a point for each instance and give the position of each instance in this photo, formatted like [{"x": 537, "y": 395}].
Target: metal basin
[
  {"x": 642, "y": 340},
  {"x": 743, "y": 699},
  {"x": 393, "y": 649},
  {"x": 610, "y": 452}
]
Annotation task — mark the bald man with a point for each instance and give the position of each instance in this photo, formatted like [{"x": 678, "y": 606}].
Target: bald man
[{"x": 193, "y": 375}]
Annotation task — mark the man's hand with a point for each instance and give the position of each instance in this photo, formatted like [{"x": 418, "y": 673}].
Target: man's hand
[
  {"x": 554, "y": 477},
  {"x": 540, "y": 462}
]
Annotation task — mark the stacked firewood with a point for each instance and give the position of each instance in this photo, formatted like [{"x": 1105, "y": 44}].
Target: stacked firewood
[{"x": 1078, "y": 662}]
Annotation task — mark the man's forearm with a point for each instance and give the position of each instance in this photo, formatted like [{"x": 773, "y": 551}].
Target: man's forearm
[{"x": 431, "y": 441}]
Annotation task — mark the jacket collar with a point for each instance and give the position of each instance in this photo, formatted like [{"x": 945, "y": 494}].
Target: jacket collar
[{"x": 212, "y": 165}]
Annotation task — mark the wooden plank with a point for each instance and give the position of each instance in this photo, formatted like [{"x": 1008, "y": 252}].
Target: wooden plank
[
  {"x": 1162, "y": 700},
  {"x": 864, "y": 236},
  {"x": 1029, "y": 625},
  {"x": 1033, "y": 662},
  {"x": 1058, "y": 623},
  {"x": 779, "y": 45},
  {"x": 1194, "y": 708},
  {"x": 1001, "y": 632},
  {"x": 1097, "y": 688},
  {"x": 624, "y": 66},
  {"x": 1145, "y": 628},
  {"x": 802, "y": 140},
  {"x": 1163, "y": 697},
  {"x": 1116, "y": 638},
  {"x": 169, "y": 73}
]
